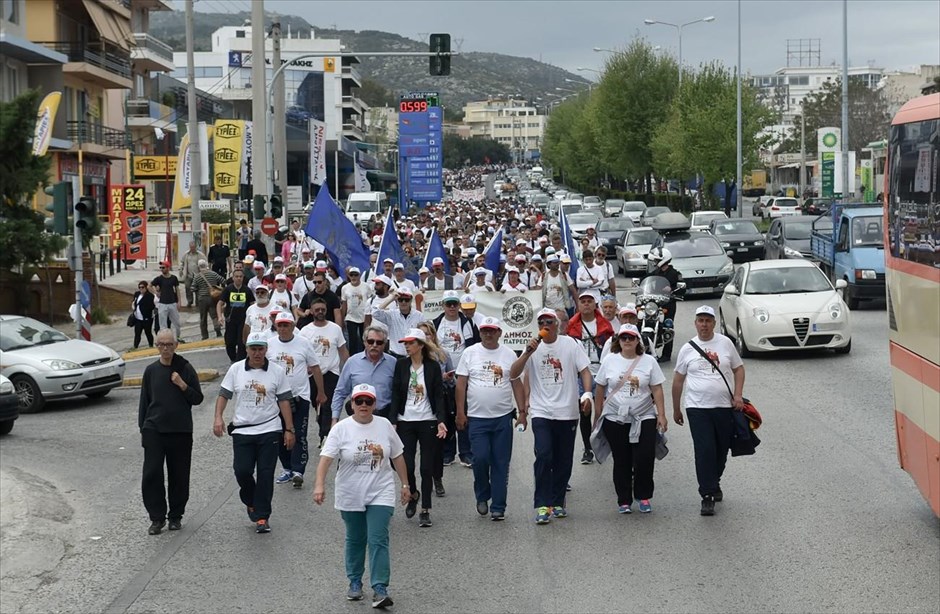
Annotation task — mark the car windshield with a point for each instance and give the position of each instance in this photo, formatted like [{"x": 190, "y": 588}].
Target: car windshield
[
  {"x": 582, "y": 218},
  {"x": 786, "y": 280},
  {"x": 634, "y": 207},
  {"x": 867, "y": 231},
  {"x": 695, "y": 247},
  {"x": 362, "y": 206},
  {"x": 613, "y": 203},
  {"x": 654, "y": 211},
  {"x": 617, "y": 223},
  {"x": 736, "y": 228},
  {"x": 799, "y": 231},
  {"x": 644, "y": 236},
  {"x": 591, "y": 200},
  {"x": 571, "y": 209},
  {"x": 27, "y": 332},
  {"x": 704, "y": 217}
]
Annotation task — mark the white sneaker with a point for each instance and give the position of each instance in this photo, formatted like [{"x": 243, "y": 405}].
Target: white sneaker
[{"x": 298, "y": 480}]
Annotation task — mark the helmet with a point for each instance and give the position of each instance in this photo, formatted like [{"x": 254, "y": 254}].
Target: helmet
[
  {"x": 655, "y": 255},
  {"x": 665, "y": 257}
]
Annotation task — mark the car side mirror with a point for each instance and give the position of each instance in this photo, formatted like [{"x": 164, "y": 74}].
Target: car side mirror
[
  {"x": 732, "y": 289},
  {"x": 841, "y": 284}
]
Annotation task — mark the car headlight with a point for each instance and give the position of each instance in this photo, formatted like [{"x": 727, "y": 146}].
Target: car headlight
[
  {"x": 58, "y": 364},
  {"x": 725, "y": 244},
  {"x": 6, "y": 388},
  {"x": 727, "y": 269},
  {"x": 633, "y": 256},
  {"x": 759, "y": 243},
  {"x": 835, "y": 311},
  {"x": 865, "y": 274},
  {"x": 789, "y": 252},
  {"x": 651, "y": 308},
  {"x": 762, "y": 315}
]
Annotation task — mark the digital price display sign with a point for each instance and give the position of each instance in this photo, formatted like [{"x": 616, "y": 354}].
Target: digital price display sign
[{"x": 420, "y": 136}]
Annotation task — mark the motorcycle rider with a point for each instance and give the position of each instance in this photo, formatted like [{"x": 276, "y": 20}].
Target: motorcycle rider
[{"x": 661, "y": 258}]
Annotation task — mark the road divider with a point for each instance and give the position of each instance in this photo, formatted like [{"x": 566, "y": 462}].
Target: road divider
[
  {"x": 204, "y": 375},
  {"x": 183, "y": 347}
]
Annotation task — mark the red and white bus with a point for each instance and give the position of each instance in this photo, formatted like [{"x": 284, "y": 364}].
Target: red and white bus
[{"x": 912, "y": 264}]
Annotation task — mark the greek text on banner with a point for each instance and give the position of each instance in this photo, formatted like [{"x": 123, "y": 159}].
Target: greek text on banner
[{"x": 516, "y": 313}]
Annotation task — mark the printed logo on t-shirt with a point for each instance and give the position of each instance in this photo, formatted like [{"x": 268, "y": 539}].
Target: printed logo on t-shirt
[
  {"x": 713, "y": 356},
  {"x": 285, "y": 359},
  {"x": 454, "y": 340},
  {"x": 368, "y": 453},
  {"x": 415, "y": 389},
  {"x": 634, "y": 382},
  {"x": 258, "y": 389},
  {"x": 323, "y": 344},
  {"x": 497, "y": 372},
  {"x": 550, "y": 370},
  {"x": 237, "y": 299}
]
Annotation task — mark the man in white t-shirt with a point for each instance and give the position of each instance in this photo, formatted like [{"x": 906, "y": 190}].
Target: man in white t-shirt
[
  {"x": 257, "y": 315},
  {"x": 483, "y": 384},
  {"x": 709, "y": 401},
  {"x": 590, "y": 276},
  {"x": 330, "y": 347},
  {"x": 552, "y": 365},
  {"x": 299, "y": 360},
  {"x": 355, "y": 297},
  {"x": 261, "y": 394}
]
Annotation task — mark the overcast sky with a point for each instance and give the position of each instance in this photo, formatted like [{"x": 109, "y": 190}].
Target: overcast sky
[{"x": 892, "y": 34}]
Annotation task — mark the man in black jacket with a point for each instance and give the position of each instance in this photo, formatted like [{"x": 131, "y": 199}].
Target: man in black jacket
[{"x": 168, "y": 392}]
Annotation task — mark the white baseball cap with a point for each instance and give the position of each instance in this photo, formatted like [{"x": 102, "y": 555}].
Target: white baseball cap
[
  {"x": 398, "y": 266},
  {"x": 628, "y": 329},
  {"x": 284, "y": 316},
  {"x": 437, "y": 261},
  {"x": 363, "y": 390},
  {"x": 414, "y": 334},
  {"x": 256, "y": 339},
  {"x": 490, "y": 322},
  {"x": 354, "y": 270},
  {"x": 705, "y": 310}
]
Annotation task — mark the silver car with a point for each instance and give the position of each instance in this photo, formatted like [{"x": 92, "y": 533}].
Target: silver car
[
  {"x": 45, "y": 364},
  {"x": 633, "y": 249},
  {"x": 701, "y": 260}
]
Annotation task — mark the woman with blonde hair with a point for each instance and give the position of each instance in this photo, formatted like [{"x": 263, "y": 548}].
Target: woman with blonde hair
[{"x": 450, "y": 399}]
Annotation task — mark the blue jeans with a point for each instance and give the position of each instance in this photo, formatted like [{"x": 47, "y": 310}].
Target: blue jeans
[
  {"x": 554, "y": 451},
  {"x": 368, "y": 528},
  {"x": 251, "y": 452},
  {"x": 711, "y": 438},
  {"x": 295, "y": 459},
  {"x": 491, "y": 442}
]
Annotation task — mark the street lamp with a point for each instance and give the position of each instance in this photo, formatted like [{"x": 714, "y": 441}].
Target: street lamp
[
  {"x": 589, "y": 85},
  {"x": 678, "y": 28},
  {"x": 599, "y": 49},
  {"x": 594, "y": 70}
]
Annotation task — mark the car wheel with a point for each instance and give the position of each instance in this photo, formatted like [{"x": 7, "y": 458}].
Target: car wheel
[
  {"x": 98, "y": 394},
  {"x": 740, "y": 344},
  {"x": 846, "y": 349},
  {"x": 723, "y": 327},
  {"x": 6, "y": 426},
  {"x": 850, "y": 299},
  {"x": 31, "y": 400}
]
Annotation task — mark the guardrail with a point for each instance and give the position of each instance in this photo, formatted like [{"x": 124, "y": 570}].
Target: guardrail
[
  {"x": 82, "y": 131},
  {"x": 146, "y": 41}
]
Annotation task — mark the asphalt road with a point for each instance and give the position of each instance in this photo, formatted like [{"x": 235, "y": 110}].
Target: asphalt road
[{"x": 821, "y": 519}]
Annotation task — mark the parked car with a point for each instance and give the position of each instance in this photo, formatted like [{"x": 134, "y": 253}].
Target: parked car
[
  {"x": 45, "y": 364},
  {"x": 9, "y": 405},
  {"x": 774, "y": 305},
  {"x": 633, "y": 247},
  {"x": 579, "y": 222},
  {"x": 649, "y": 214},
  {"x": 612, "y": 207},
  {"x": 781, "y": 206},
  {"x": 740, "y": 238},
  {"x": 760, "y": 204},
  {"x": 633, "y": 209},
  {"x": 609, "y": 230},
  {"x": 817, "y": 206},
  {"x": 701, "y": 219},
  {"x": 701, "y": 260},
  {"x": 789, "y": 237}
]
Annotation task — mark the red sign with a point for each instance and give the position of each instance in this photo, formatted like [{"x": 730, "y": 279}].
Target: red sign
[
  {"x": 269, "y": 226},
  {"x": 127, "y": 220}
]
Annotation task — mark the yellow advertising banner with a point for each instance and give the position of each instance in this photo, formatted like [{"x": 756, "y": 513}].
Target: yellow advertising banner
[
  {"x": 183, "y": 186},
  {"x": 154, "y": 167},
  {"x": 227, "y": 147},
  {"x": 42, "y": 133}
]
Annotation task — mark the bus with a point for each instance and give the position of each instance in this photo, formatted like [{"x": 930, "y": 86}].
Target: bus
[{"x": 912, "y": 265}]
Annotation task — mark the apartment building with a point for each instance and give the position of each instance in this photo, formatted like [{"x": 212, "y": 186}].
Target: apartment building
[{"x": 512, "y": 122}]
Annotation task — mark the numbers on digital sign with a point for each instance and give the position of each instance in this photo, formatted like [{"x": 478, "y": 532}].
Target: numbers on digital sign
[{"x": 413, "y": 106}]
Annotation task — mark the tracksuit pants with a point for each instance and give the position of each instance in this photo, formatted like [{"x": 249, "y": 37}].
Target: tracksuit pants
[
  {"x": 169, "y": 315},
  {"x": 325, "y": 415},
  {"x": 368, "y": 529},
  {"x": 413, "y": 434},
  {"x": 712, "y": 430},
  {"x": 296, "y": 458},
  {"x": 234, "y": 339},
  {"x": 256, "y": 453},
  {"x": 633, "y": 462},
  {"x": 491, "y": 441},
  {"x": 554, "y": 452},
  {"x": 176, "y": 451},
  {"x": 354, "y": 331}
]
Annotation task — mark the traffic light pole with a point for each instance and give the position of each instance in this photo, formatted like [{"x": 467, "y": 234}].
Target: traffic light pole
[{"x": 79, "y": 192}]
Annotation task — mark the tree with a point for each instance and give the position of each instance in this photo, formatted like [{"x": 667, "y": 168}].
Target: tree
[
  {"x": 375, "y": 94},
  {"x": 475, "y": 150},
  {"x": 25, "y": 243}
]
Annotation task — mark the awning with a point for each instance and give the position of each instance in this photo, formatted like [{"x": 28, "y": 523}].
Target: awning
[{"x": 109, "y": 28}]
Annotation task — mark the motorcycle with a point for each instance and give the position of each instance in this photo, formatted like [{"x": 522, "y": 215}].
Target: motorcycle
[{"x": 653, "y": 294}]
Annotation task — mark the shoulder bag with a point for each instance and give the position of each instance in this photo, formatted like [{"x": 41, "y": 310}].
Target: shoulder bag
[{"x": 215, "y": 292}]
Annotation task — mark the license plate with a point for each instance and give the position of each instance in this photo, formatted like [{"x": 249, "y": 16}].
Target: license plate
[
  {"x": 742, "y": 249},
  {"x": 698, "y": 290},
  {"x": 105, "y": 371}
]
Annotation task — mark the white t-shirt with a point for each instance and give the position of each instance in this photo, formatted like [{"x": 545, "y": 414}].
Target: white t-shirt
[
  {"x": 704, "y": 387},
  {"x": 450, "y": 336},
  {"x": 294, "y": 356},
  {"x": 301, "y": 289},
  {"x": 489, "y": 391},
  {"x": 633, "y": 398},
  {"x": 556, "y": 289},
  {"x": 258, "y": 318},
  {"x": 508, "y": 288},
  {"x": 588, "y": 344},
  {"x": 255, "y": 393},
  {"x": 475, "y": 289},
  {"x": 417, "y": 406},
  {"x": 375, "y": 305},
  {"x": 284, "y": 300},
  {"x": 593, "y": 279},
  {"x": 363, "y": 475},
  {"x": 553, "y": 373},
  {"x": 405, "y": 283},
  {"x": 326, "y": 341},
  {"x": 357, "y": 299}
]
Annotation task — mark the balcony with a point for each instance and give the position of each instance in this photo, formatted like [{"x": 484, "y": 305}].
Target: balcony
[
  {"x": 94, "y": 137},
  {"x": 353, "y": 132},
  {"x": 106, "y": 65},
  {"x": 150, "y": 53},
  {"x": 352, "y": 73},
  {"x": 143, "y": 113},
  {"x": 354, "y": 104}
]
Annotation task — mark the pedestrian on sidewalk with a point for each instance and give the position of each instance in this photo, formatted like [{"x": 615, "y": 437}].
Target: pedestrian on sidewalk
[
  {"x": 189, "y": 268},
  {"x": 202, "y": 285},
  {"x": 261, "y": 393},
  {"x": 168, "y": 391},
  {"x": 365, "y": 490},
  {"x": 166, "y": 286},
  {"x": 143, "y": 308}
]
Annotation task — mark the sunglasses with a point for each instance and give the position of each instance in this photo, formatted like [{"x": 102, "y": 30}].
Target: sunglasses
[
  {"x": 404, "y": 299},
  {"x": 283, "y": 324},
  {"x": 546, "y": 321},
  {"x": 375, "y": 342},
  {"x": 354, "y": 274},
  {"x": 628, "y": 338},
  {"x": 363, "y": 401}
]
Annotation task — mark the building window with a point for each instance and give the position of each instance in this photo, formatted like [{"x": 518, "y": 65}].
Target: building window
[
  {"x": 10, "y": 11},
  {"x": 239, "y": 34}
]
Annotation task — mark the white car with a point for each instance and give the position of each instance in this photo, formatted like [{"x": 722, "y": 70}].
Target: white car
[
  {"x": 772, "y": 305},
  {"x": 701, "y": 219},
  {"x": 633, "y": 209},
  {"x": 782, "y": 206}
]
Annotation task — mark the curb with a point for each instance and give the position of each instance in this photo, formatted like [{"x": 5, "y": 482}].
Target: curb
[
  {"x": 195, "y": 345},
  {"x": 205, "y": 375}
]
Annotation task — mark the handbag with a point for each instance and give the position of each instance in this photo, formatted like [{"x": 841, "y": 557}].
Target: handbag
[
  {"x": 131, "y": 320},
  {"x": 744, "y": 440},
  {"x": 215, "y": 292}
]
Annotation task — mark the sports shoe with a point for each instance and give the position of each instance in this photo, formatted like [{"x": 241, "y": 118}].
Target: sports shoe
[
  {"x": 587, "y": 458},
  {"x": 380, "y": 597},
  {"x": 251, "y": 513},
  {"x": 497, "y": 516},
  {"x": 559, "y": 512},
  {"x": 708, "y": 505},
  {"x": 645, "y": 507},
  {"x": 284, "y": 478},
  {"x": 567, "y": 487},
  {"x": 156, "y": 527},
  {"x": 439, "y": 487},
  {"x": 262, "y": 526},
  {"x": 298, "y": 480},
  {"x": 448, "y": 462},
  {"x": 719, "y": 496},
  {"x": 482, "y": 508},
  {"x": 412, "y": 506},
  {"x": 543, "y": 515},
  {"x": 624, "y": 509},
  {"x": 355, "y": 591},
  {"x": 175, "y": 524},
  {"x": 424, "y": 519},
  {"x": 466, "y": 463}
]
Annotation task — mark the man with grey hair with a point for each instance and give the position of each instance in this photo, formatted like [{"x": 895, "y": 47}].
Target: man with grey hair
[
  {"x": 189, "y": 267},
  {"x": 372, "y": 366},
  {"x": 203, "y": 282}
]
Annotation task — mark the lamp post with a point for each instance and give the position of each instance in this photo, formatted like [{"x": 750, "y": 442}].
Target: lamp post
[
  {"x": 678, "y": 28},
  {"x": 605, "y": 50}
]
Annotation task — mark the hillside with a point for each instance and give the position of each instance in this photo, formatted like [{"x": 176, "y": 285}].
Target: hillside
[{"x": 474, "y": 76}]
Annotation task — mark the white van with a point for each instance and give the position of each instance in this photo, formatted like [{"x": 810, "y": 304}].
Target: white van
[{"x": 362, "y": 206}]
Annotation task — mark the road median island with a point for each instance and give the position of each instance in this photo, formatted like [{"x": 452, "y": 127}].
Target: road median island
[
  {"x": 183, "y": 347},
  {"x": 205, "y": 375}
]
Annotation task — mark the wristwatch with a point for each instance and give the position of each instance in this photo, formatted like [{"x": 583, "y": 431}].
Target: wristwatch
[{"x": 291, "y": 431}]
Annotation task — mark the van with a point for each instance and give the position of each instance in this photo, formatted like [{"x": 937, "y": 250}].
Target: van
[{"x": 363, "y": 206}]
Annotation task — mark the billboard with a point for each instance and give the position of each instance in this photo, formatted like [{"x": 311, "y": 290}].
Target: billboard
[
  {"x": 127, "y": 220},
  {"x": 420, "y": 139}
]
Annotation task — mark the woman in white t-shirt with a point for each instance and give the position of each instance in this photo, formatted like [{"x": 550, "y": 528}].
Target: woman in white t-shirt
[
  {"x": 629, "y": 400},
  {"x": 365, "y": 490}
]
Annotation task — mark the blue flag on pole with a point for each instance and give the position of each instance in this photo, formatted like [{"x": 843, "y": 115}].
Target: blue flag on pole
[
  {"x": 436, "y": 250},
  {"x": 390, "y": 247},
  {"x": 329, "y": 226},
  {"x": 492, "y": 252},
  {"x": 567, "y": 240}
]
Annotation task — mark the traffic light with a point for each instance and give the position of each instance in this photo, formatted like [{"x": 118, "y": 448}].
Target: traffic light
[
  {"x": 277, "y": 206},
  {"x": 257, "y": 206},
  {"x": 440, "y": 64},
  {"x": 85, "y": 214},
  {"x": 61, "y": 197}
]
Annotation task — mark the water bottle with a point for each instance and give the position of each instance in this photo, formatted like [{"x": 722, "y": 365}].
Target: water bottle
[{"x": 520, "y": 428}]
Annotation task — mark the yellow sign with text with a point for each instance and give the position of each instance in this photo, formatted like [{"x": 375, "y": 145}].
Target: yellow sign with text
[
  {"x": 228, "y": 145},
  {"x": 154, "y": 167}
]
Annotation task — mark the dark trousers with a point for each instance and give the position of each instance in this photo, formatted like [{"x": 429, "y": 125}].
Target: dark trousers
[
  {"x": 554, "y": 451},
  {"x": 251, "y": 453},
  {"x": 295, "y": 459},
  {"x": 207, "y": 309},
  {"x": 491, "y": 439},
  {"x": 354, "y": 331},
  {"x": 585, "y": 422},
  {"x": 176, "y": 451},
  {"x": 633, "y": 462},
  {"x": 234, "y": 340},
  {"x": 447, "y": 447},
  {"x": 413, "y": 434},
  {"x": 711, "y": 437},
  {"x": 325, "y": 415},
  {"x": 145, "y": 327}
]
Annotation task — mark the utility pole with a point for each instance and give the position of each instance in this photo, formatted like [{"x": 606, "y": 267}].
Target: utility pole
[
  {"x": 845, "y": 100},
  {"x": 259, "y": 111},
  {"x": 279, "y": 127},
  {"x": 193, "y": 127},
  {"x": 802, "y": 152},
  {"x": 739, "y": 164}
]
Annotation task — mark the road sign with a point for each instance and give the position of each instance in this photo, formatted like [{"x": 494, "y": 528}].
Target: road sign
[
  {"x": 86, "y": 294},
  {"x": 269, "y": 226}
]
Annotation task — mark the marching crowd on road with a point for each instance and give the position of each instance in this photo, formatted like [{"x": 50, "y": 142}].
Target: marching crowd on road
[{"x": 394, "y": 392}]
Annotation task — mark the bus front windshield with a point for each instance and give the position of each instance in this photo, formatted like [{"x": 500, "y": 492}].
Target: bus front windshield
[{"x": 913, "y": 214}]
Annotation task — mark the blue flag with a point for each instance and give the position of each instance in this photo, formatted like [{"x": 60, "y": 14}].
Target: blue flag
[
  {"x": 492, "y": 252},
  {"x": 567, "y": 239},
  {"x": 436, "y": 250},
  {"x": 391, "y": 248},
  {"x": 328, "y": 225}
]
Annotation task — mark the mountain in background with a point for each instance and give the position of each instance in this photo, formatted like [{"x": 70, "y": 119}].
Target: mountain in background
[{"x": 474, "y": 75}]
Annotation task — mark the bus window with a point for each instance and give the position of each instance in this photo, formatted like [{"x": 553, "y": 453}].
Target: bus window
[{"x": 914, "y": 203}]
